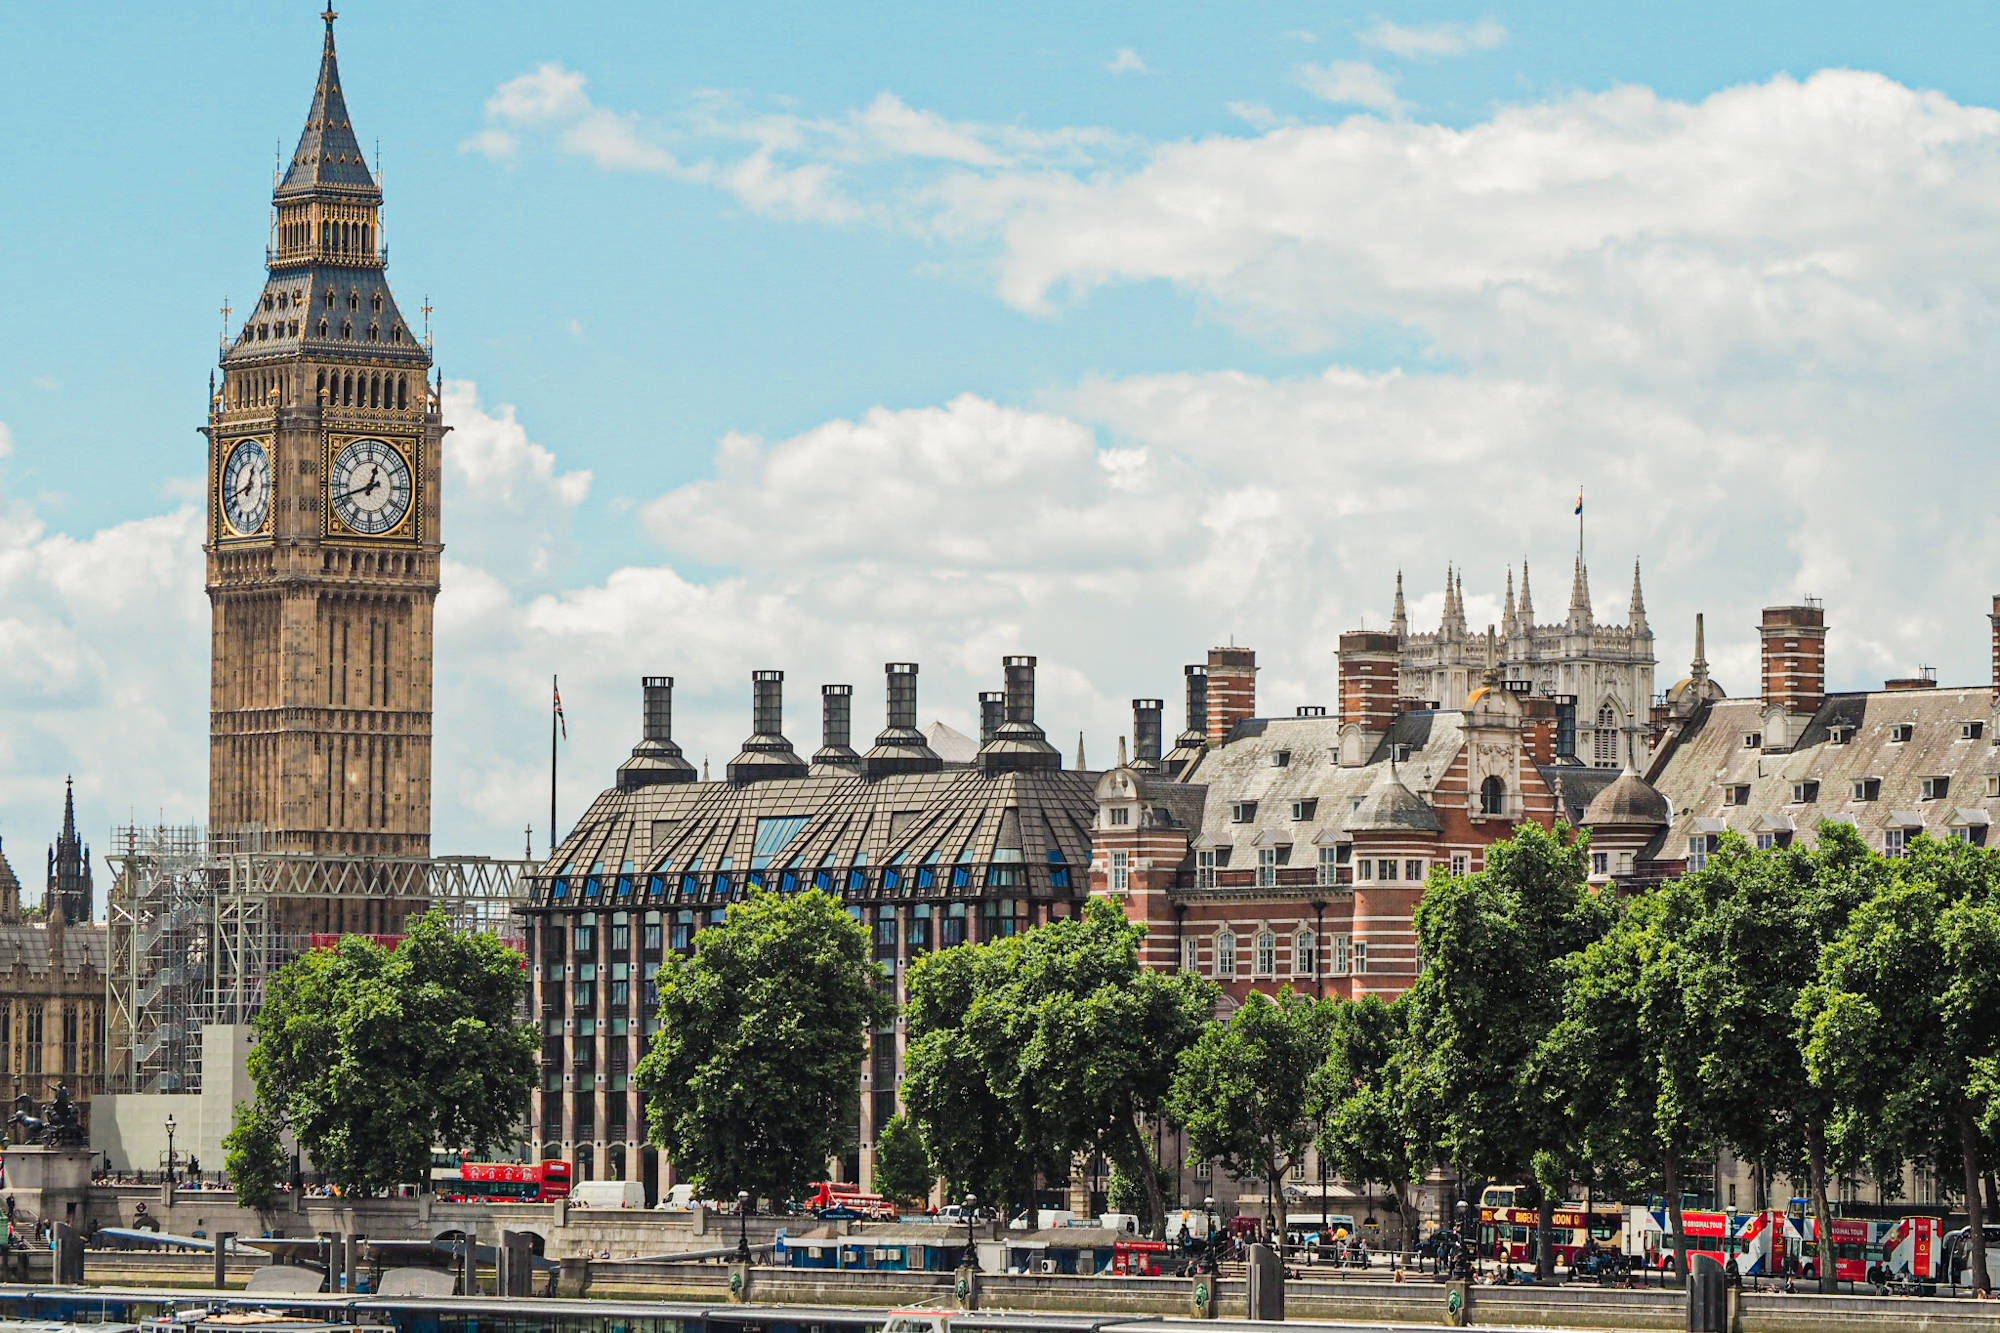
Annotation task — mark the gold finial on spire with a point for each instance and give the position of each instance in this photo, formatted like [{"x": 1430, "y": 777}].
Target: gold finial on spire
[
  {"x": 328, "y": 16},
  {"x": 223, "y": 340}
]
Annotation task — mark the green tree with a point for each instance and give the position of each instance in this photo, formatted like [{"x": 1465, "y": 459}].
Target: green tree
[
  {"x": 902, "y": 1164},
  {"x": 974, "y": 1136},
  {"x": 1490, "y": 993},
  {"x": 1900, "y": 1024},
  {"x": 1355, "y": 1098},
  {"x": 253, "y": 1152},
  {"x": 373, "y": 1056},
  {"x": 753, "y": 1079},
  {"x": 1241, "y": 1088},
  {"x": 1622, "y": 1066},
  {"x": 1029, "y": 1050},
  {"x": 1747, "y": 955},
  {"x": 1082, "y": 1041}
]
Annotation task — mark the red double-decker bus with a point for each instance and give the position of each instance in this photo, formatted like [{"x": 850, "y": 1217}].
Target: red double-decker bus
[{"x": 506, "y": 1182}]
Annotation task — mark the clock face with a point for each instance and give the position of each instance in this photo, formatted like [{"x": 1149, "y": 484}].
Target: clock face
[
  {"x": 370, "y": 487},
  {"x": 246, "y": 487}
]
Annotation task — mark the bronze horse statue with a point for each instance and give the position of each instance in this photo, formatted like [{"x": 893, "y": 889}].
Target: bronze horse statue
[{"x": 56, "y": 1126}]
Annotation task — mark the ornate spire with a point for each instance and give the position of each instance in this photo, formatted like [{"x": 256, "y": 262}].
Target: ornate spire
[
  {"x": 1400, "y": 620},
  {"x": 1580, "y": 614},
  {"x": 1444, "y": 620},
  {"x": 1698, "y": 669},
  {"x": 1458, "y": 604},
  {"x": 1638, "y": 609},
  {"x": 1507, "y": 612},
  {"x": 1527, "y": 611},
  {"x": 328, "y": 155},
  {"x": 1492, "y": 676}
]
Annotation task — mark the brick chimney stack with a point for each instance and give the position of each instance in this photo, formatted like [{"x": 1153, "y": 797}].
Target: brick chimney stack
[
  {"x": 1232, "y": 690},
  {"x": 1794, "y": 653},
  {"x": 1995, "y": 619},
  {"x": 1370, "y": 679}
]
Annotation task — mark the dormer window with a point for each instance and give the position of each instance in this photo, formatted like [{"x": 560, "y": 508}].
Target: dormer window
[
  {"x": 329, "y": 298},
  {"x": 1753, "y": 740},
  {"x": 1868, "y": 789},
  {"x": 1119, "y": 816},
  {"x": 1736, "y": 793},
  {"x": 1971, "y": 731},
  {"x": 1839, "y": 735},
  {"x": 1304, "y": 809},
  {"x": 1900, "y": 732},
  {"x": 353, "y": 299},
  {"x": 1281, "y": 759},
  {"x": 1993, "y": 784},
  {"x": 375, "y": 301},
  {"x": 1937, "y": 788},
  {"x": 267, "y": 300},
  {"x": 1805, "y": 793},
  {"x": 1243, "y": 812}
]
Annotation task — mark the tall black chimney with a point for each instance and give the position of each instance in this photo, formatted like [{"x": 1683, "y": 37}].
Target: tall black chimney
[
  {"x": 835, "y": 756},
  {"x": 766, "y": 754},
  {"x": 900, "y": 748},
  {"x": 992, "y": 712},
  {"x": 1190, "y": 743},
  {"x": 655, "y": 759},
  {"x": 1146, "y": 733},
  {"x": 1018, "y": 744}
]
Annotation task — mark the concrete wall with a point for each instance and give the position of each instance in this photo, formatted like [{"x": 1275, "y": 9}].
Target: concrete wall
[{"x": 131, "y": 1126}]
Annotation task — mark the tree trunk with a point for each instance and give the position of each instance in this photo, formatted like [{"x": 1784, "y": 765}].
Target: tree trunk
[
  {"x": 1156, "y": 1199},
  {"x": 1670, "y": 1179},
  {"x": 1822, "y": 1215},
  {"x": 1545, "y": 1225},
  {"x": 1975, "y": 1214}
]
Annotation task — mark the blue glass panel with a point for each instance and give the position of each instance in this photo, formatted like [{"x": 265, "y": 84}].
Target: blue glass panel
[
  {"x": 822, "y": 880},
  {"x": 688, "y": 884},
  {"x": 856, "y": 879},
  {"x": 959, "y": 877},
  {"x": 624, "y": 884},
  {"x": 560, "y": 888},
  {"x": 925, "y": 877},
  {"x": 892, "y": 879},
  {"x": 788, "y": 882},
  {"x": 591, "y": 886},
  {"x": 1059, "y": 878}
]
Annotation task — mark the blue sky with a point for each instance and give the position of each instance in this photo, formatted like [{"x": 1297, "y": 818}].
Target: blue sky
[{"x": 1140, "y": 324}]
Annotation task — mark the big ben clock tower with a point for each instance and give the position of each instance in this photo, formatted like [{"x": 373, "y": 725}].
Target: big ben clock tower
[{"x": 322, "y": 541}]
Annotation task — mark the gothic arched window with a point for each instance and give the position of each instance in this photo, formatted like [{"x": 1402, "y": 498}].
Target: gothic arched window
[
  {"x": 1493, "y": 796},
  {"x": 1607, "y": 736}
]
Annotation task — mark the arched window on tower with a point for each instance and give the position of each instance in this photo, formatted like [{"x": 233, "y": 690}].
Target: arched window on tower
[
  {"x": 402, "y": 392},
  {"x": 1493, "y": 796},
  {"x": 1606, "y": 753}
]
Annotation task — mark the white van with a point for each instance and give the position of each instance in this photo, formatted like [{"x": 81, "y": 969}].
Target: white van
[
  {"x": 1125, "y": 1222},
  {"x": 607, "y": 1194},
  {"x": 678, "y": 1198},
  {"x": 1046, "y": 1217}
]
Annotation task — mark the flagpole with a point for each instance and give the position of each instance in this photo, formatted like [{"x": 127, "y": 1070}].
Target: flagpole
[{"x": 555, "y": 692}]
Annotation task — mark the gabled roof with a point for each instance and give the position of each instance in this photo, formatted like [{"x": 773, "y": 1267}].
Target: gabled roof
[
  {"x": 328, "y": 156},
  {"x": 1710, "y": 755}
]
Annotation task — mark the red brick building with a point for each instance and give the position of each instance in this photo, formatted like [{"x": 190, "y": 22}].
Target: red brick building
[{"x": 1292, "y": 850}]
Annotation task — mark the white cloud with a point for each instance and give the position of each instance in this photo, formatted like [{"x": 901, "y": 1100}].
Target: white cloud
[
  {"x": 510, "y": 509},
  {"x": 494, "y": 143},
  {"x": 1352, "y": 83},
  {"x": 1259, "y": 116},
  {"x": 6, "y": 440},
  {"x": 1127, "y": 61},
  {"x": 1436, "y": 39},
  {"x": 550, "y": 92}
]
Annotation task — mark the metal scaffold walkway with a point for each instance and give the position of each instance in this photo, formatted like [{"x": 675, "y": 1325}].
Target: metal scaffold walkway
[{"x": 198, "y": 924}]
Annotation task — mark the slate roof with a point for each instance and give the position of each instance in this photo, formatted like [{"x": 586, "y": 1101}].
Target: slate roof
[
  {"x": 292, "y": 326},
  {"x": 1628, "y": 800},
  {"x": 1709, "y": 758},
  {"x": 1245, "y": 770},
  {"x": 910, "y": 835},
  {"x": 24, "y": 950},
  {"x": 328, "y": 157},
  {"x": 1578, "y": 785}
]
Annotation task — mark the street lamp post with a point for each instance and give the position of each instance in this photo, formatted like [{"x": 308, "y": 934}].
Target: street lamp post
[
  {"x": 1208, "y": 1225},
  {"x": 971, "y": 1249},
  {"x": 743, "y": 1226},
  {"x": 170, "y": 1148}
]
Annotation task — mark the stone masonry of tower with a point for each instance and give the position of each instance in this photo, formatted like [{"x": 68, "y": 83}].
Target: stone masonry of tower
[
  {"x": 323, "y": 542},
  {"x": 1605, "y": 672}
]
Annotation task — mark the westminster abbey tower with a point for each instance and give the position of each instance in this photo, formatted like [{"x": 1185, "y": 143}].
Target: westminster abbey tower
[{"x": 322, "y": 540}]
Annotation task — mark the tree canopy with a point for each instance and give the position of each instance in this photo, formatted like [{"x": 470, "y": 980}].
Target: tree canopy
[
  {"x": 375, "y": 1055},
  {"x": 752, "y": 1082},
  {"x": 1489, "y": 995},
  {"x": 1056, "y": 1036},
  {"x": 253, "y": 1153},
  {"x": 902, "y": 1165},
  {"x": 1241, "y": 1087},
  {"x": 1902, "y": 1024}
]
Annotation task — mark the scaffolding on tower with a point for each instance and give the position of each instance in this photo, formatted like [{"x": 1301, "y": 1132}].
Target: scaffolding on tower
[{"x": 199, "y": 924}]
